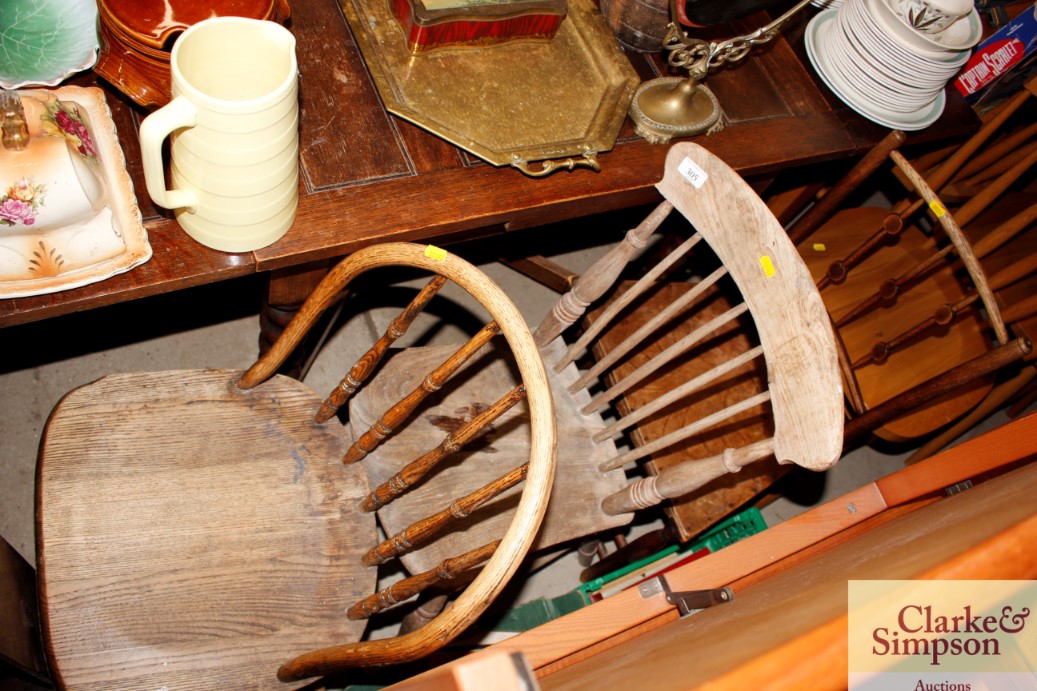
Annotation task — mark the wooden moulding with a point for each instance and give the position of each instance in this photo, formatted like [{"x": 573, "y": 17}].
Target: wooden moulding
[{"x": 444, "y": 25}]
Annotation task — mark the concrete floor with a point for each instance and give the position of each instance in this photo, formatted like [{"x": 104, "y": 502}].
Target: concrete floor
[{"x": 217, "y": 326}]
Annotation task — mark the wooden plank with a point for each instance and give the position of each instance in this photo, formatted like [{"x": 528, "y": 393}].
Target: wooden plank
[
  {"x": 590, "y": 625},
  {"x": 1012, "y": 442},
  {"x": 953, "y": 538},
  {"x": 594, "y": 625},
  {"x": 495, "y": 670},
  {"x": 818, "y": 658}
]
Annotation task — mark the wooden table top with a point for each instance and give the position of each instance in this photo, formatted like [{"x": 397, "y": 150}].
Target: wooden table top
[{"x": 368, "y": 176}]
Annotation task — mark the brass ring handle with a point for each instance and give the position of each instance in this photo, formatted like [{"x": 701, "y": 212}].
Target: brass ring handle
[{"x": 590, "y": 160}]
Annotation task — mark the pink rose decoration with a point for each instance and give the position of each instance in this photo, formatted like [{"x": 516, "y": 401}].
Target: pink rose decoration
[
  {"x": 16, "y": 211},
  {"x": 78, "y": 130}
]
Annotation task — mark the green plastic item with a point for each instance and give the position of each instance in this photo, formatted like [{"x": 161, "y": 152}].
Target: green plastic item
[
  {"x": 537, "y": 612},
  {"x": 732, "y": 529}
]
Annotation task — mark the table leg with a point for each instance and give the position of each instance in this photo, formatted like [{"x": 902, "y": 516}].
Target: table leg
[{"x": 285, "y": 291}]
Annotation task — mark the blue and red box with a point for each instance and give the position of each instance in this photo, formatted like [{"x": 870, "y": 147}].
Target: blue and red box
[{"x": 1002, "y": 62}]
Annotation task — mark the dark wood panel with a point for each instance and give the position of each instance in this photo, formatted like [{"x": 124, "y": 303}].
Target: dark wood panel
[
  {"x": 792, "y": 77},
  {"x": 428, "y": 152},
  {"x": 345, "y": 135},
  {"x": 370, "y": 177},
  {"x": 441, "y": 204}
]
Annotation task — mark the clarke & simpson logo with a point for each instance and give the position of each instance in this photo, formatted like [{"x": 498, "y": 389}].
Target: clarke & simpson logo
[
  {"x": 942, "y": 635},
  {"x": 921, "y": 632}
]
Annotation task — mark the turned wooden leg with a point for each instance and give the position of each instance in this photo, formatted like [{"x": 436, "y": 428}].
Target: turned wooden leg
[{"x": 283, "y": 295}]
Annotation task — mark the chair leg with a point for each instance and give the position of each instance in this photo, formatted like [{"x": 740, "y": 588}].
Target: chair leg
[
  {"x": 21, "y": 651},
  {"x": 423, "y": 613},
  {"x": 858, "y": 428},
  {"x": 994, "y": 400}
]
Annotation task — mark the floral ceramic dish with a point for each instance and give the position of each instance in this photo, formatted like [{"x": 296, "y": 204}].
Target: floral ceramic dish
[
  {"x": 44, "y": 41},
  {"x": 68, "y": 215}
]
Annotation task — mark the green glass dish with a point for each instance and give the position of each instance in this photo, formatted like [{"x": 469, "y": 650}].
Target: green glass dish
[{"x": 42, "y": 42}]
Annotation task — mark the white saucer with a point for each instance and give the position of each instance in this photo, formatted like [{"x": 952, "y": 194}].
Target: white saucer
[
  {"x": 915, "y": 120},
  {"x": 944, "y": 45},
  {"x": 857, "y": 17},
  {"x": 908, "y": 89}
]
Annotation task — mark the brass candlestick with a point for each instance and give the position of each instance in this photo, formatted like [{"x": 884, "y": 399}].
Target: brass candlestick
[{"x": 668, "y": 107}]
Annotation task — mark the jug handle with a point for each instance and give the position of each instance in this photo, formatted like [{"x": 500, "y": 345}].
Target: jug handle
[{"x": 176, "y": 114}]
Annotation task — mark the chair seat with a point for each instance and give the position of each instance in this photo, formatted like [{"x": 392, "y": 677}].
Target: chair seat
[
  {"x": 246, "y": 545},
  {"x": 504, "y": 446}
]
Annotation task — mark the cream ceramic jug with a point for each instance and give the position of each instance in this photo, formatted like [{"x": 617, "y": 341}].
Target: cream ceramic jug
[{"x": 233, "y": 126}]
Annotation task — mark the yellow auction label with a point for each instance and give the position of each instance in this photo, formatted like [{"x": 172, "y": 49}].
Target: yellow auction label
[
  {"x": 768, "y": 266},
  {"x": 436, "y": 253}
]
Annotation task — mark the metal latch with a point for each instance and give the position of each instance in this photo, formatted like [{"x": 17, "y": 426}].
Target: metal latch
[{"x": 687, "y": 601}]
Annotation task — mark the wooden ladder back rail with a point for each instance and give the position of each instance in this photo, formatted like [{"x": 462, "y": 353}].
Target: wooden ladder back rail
[
  {"x": 953, "y": 165},
  {"x": 993, "y": 190},
  {"x": 980, "y": 366},
  {"x": 838, "y": 270},
  {"x": 1002, "y": 157},
  {"x": 397, "y": 414},
  {"x": 501, "y": 558},
  {"x": 793, "y": 327},
  {"x": 1001, "y": 150},
  {"x": 958, "y": 246},
  {"x": 1005, "y": 232}
]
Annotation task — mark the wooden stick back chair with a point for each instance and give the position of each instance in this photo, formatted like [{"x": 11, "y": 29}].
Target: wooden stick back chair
[
  {"x": 800, "y": 397},
  {"x": 200, "y": 529},
  {"x": 919, "y": 327}
]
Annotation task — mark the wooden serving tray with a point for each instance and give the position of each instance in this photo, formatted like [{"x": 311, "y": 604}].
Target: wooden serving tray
[{"x": 507, "y": 104}]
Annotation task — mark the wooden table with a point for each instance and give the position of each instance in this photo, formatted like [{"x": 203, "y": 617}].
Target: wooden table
[{"x": 371, "y": 177}]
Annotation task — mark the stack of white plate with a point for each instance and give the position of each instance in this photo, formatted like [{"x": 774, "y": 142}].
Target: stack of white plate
[{"x": 882, "y": 67}]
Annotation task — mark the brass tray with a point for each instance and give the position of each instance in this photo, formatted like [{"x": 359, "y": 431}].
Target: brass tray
[{"x": 508, "y": 104}]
